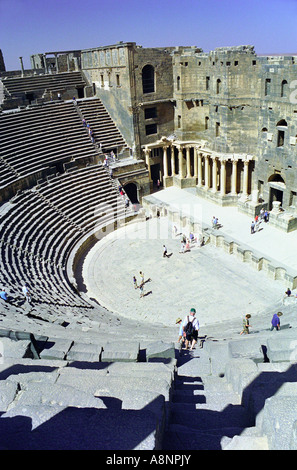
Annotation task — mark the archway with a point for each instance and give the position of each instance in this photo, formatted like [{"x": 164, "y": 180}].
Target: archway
[
  {"x": 132, "y": 192},
  {"x": 276, "y": 189}
]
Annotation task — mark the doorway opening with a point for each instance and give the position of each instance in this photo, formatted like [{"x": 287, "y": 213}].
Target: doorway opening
[{"x": 132, "y": 193}]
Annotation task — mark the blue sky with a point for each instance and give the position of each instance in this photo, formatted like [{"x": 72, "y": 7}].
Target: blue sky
[{"x": 32, "y": 26}]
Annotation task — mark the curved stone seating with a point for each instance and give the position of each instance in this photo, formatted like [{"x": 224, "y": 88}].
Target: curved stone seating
[
  {"x": 41, "y": 227},
  {"x": 34, "y": 139},
  {"x": 52, "y": 82},
  {"x": 105, "y": 130}
]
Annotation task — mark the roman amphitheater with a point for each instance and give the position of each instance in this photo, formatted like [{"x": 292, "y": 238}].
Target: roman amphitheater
[{"x": 107, "y": 155}]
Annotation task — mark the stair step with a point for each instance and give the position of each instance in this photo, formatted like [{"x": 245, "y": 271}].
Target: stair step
[
  {"x": 245, "y": 443},
  {"x": 205, "y": 419},
  {"x": 187, "y": 438}
]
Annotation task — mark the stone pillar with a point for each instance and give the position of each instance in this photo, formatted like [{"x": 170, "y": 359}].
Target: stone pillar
[
  {"x": 68, "y": 63},
  {"x": 45, "y": 63},
  {"x": 172, "y": 161},
  {"x": 188, "y": 162},
  {"x": 195, "y": 162},
  {"x": 234, "y": 176},
  {"x": 245, "y": 177},
  {"x": 165, "y": 162},
  {"x": 206, "y": 160},
  {"x": 223, "y": 177},
  {"x": 57, "y": 64},
  {"x": 147, "y": 161},
  {"x": 22, "y": 65},
  {"x": 199, "y": 169},
  {"x": 214, "y": 174},
  {"x": 180, "y": 162}
]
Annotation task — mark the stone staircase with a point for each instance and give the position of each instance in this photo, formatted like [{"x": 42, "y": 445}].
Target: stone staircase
[{"x": 232, "y": 395}]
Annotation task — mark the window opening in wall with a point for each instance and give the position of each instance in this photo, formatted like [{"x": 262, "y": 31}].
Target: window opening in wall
[
  {"x": 280, "y": 138},
  {"x": 150, "y": 129},
  {"x": 218, "y": 85},
  {"x": 178, "y": 83},
  {"x": 217, "y": 129},
  {"x": 267, "y": 86},
  {"x": 206, "y": 122},
  {"x": 284, "y": 86},
  {"x": 207, "y": 83},
  {"x": 148, "y": 79},
  {"x": 178, "y": 121},
  {"x": 236, "y": 63},
  {"x": 254, "y": 62},
  {"x": 102, "y": 79},
  {"x": 150, "y": 113},
  {"x": 118, "y": 79},
  {"x": 228, "y": 64}
]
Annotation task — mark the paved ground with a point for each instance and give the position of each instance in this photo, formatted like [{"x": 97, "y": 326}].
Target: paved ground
[{"x": 218, "y": 285}]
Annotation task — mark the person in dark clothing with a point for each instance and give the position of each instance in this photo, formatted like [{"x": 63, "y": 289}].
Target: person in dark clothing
[{"x": 275, "y": 322}]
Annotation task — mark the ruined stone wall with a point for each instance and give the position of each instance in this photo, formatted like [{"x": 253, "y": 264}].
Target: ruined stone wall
[
  {"x": 116, "y": 74},
  {"x": 108, "y": 69},
  {"x": 216, "y": 97},
  {"x": 238, "y": 102},
  {"x": 157, "y": 103},
  {"x": 278, "y": 113}
]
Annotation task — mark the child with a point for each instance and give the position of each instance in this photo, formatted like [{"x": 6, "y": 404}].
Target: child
[
  {"x": 135, "y": 282},
  {"x": 246, "y": 324}
]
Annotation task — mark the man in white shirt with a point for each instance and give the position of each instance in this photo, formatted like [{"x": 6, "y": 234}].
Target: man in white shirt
[
  {"x": 26, "y": 293},
  {"x": 191, "y": 328}
]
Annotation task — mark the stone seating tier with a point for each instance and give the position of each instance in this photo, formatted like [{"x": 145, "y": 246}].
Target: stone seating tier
[
  {"x": 51, "y": 82},
  {"x": 39, "y": 230}
]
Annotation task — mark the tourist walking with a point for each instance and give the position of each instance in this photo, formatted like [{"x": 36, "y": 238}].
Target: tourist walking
[
  {"x": 246, "y": 325},
  {"x": 141, "y": 289},
  {"x": 181, "y": 330},
  {"x": 135, "y": 282},
  {"x": 253, "y": 226},
  {"x": 165, "y": 255},
  {"x": 275, "y": 322},
  {"x": 26, "y": 293},
  {"x": 191, "y": 329}
]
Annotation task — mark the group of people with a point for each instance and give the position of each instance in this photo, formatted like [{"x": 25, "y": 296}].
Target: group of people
[
  {"x": 263, "y": 217},
  {"x": 141, "y": 284},
  {"x": 25, "y": 291},
  {"x": 90, "y": 131},
  {"x": 187, "y": 242},
  {"x": 275, "y": 323},
  {"x": 189, "y": 328},
  {"x": 215, "y": 222}
]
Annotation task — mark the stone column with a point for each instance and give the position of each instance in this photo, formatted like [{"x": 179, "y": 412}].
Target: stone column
[
  {"x": 147, "y": 161},
  {"x": 223, "y": 177},
  {"x": 195, "y": 162},
  {"x": 214, "y": 175},
  {"x": 199, "y": 169},
  {"x": 172, "y": 161},
  {"x": 188, "y": 162},
  {"x": 45, "y": 63},
  {"x": 234, "y": 176},
  {"x": 245, "y": 177},
  {"x": 165, "y": 162},
  {"x": 57, "y": 64},
  {"x": 180, "y": 162},
  {"x": 206, "y": 160},
  {"x": 68, "y": 63},
  {"x": 22, "y": 65}
]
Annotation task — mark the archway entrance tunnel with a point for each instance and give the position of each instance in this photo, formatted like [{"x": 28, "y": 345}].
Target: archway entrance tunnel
[{"x": 132, "y": 192}]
